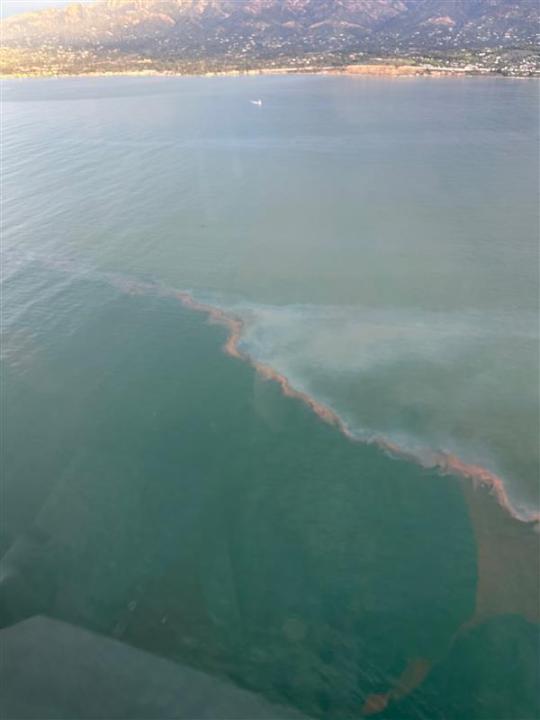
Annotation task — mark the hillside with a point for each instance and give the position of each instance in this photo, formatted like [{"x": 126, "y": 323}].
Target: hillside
[{"x": 198, "y": 35}]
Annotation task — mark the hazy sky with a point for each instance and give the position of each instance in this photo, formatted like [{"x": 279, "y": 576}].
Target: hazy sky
[{"x": 11, "y": 7}]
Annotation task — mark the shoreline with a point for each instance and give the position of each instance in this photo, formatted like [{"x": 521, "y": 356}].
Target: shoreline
[{"x": 390, "y": 70}]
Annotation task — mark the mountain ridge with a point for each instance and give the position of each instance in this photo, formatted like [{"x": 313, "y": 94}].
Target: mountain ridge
[{"x": 229, "y": 33}]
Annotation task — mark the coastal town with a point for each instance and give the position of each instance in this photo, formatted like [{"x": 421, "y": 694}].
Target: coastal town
[
  {"x": 48, "y": 61},
  {"x": 201, "y": 37}
]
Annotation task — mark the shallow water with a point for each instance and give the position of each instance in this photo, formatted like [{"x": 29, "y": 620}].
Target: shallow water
[{"x": 378, "y": 239}]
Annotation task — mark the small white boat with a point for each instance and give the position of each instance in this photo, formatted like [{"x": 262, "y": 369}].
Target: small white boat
[{"x": 256, "y": 102}]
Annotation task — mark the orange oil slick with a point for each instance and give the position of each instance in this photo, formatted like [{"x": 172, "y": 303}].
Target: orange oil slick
[{"x": 444, "y": 462}]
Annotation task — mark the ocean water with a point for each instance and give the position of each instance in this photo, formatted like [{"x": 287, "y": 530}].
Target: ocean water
[{"x": 378, "y": 241}]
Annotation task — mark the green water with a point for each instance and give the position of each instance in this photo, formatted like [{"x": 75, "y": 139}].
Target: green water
[
  {"x": 159, "y": 491},
  {"x": 193, "y": 510},
  {"x": 381, "y": 236}
]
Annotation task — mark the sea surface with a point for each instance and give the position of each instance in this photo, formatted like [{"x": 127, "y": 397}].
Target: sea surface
[{"x": 373, "y": 243}]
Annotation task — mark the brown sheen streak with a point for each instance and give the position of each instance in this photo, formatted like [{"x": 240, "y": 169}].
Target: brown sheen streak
[
  {"x": 444, "y": 462},
  {"x": 507, "y": 544}
]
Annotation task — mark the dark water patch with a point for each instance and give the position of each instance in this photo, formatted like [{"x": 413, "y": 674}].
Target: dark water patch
[{"x": 198, "y": 513}]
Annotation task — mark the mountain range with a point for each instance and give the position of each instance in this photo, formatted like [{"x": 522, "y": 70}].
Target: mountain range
[{"x": 241, "y": 33}]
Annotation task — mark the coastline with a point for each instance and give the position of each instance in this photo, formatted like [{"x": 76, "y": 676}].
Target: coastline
[{"x": 388, "y": 70}]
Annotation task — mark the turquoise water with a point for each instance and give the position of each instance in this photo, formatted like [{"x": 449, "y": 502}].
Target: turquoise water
[{"x": 379, "y": 240}]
